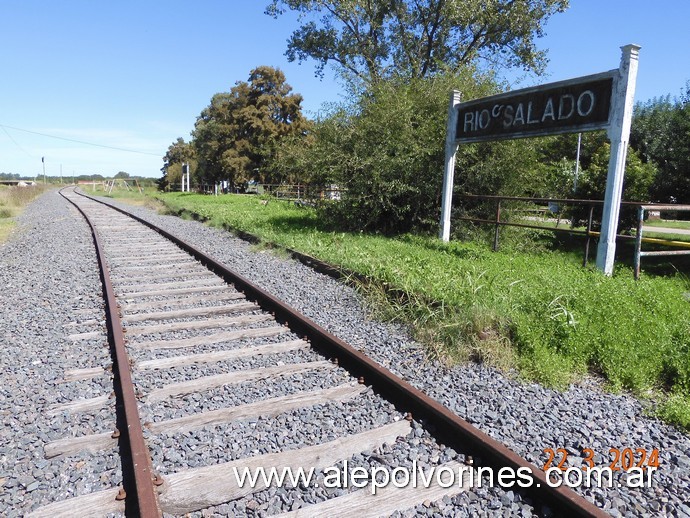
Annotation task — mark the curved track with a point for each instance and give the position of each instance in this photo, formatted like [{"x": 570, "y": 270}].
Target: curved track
[{"x": 208, "y": 361}]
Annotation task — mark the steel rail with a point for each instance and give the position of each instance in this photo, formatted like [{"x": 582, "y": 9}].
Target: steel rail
[
  {"x": 448, "y": 426},
  {"x": 146, "y": 504}
]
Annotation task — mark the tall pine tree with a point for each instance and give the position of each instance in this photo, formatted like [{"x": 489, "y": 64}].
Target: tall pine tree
[{"x": 236, "y": 134}]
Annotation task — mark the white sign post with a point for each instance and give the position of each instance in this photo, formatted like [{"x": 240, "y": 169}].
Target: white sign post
[
  {"x": 185, "y": 177},
  {"x": 449, "y": 172},
  {"x": 619, "y": 135},
  {"x": 599, "y": 101}
]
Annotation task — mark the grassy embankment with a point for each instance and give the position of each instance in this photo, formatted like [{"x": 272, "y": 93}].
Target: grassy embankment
[
  {"x": 12, "y": 203},
  {"x": 537, "y": 311}
]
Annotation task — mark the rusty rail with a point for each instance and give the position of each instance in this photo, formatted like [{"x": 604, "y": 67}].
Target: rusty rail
[
  {"x": 140, "y": 483},
  {"x": 449, "y": 427}
]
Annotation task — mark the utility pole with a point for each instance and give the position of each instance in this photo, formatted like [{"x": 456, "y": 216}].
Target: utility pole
[{"x": 43, "y": 161}]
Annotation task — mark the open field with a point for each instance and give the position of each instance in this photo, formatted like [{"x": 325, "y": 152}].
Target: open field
[
  {"x": 684, "y": 238},
  {"x": 536, "y": 311}
]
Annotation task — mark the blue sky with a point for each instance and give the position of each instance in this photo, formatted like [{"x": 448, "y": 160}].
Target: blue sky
[{"x": 134, "y": 75}]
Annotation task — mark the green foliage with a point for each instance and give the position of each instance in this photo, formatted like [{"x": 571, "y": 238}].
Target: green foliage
[
  {"x": 376, "y": 40},
  {"x": 637, "y": 183},
  {"x": 386, "y": 152},
  {"x": 468, "y": 302},
  {"x": 236, "y": 134},
  {"x": 676, "y": 409},
  {"x": 553, "y": 175},
  {"x": 318, "y": 157},
  {"x": 661, "y": 134}
]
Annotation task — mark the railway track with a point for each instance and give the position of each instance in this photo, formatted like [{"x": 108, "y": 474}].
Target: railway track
[{"x": 214, "y": 376}]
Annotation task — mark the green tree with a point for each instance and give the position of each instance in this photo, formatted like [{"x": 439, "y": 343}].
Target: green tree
[
  {"x": 386, "y": 153},
  {"x": 553, "y": 175},
  {"x": 661, "y": 134},
  {"x": 236, "y": 134},
  {"x": 637, "y": 183},
  {"x": 374, "y": 39},
  {"x": 178, "y": 153}
]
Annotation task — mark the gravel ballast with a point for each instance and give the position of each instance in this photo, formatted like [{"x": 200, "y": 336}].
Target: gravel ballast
[{"x": 50, "y": 289}]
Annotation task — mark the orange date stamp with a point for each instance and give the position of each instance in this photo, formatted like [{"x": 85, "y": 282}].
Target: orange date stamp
[{"x": 619, "y": 459}]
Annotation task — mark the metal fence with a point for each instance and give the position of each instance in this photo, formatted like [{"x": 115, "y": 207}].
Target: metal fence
[
  {"x": 555, "y": 206},
  {"x": 297, "y": 192},
  {"x": 639, "y": 253}
]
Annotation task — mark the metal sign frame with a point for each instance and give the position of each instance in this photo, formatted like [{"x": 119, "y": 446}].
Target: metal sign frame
[{"x": 588, "y": 103}]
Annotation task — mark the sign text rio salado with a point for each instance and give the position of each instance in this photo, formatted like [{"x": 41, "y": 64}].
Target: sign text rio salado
[{"x": 563, "y": 107}]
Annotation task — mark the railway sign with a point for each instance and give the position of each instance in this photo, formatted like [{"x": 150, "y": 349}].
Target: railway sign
[
  {"x": 599, "y": 101},
  {"x": 583, "y": 104}
]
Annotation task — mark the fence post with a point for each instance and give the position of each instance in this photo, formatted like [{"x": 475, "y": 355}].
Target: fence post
[
  {"x": 638, "y": 241},
  {"x": 498, "y": 224},
  {"x": 589, "y": 235}
]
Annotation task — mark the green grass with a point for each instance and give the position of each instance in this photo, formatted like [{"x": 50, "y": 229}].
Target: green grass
[
  {"x": 13, "y": 200},
  {"x": 564, "y": 225},
  {"x": 540, "y": 311},
  {"x": 667, "y": 236},
  {"x": 133, "y": 196},
  {"x": 671, "y": 223},
  {"x": 668, "y": 223}
]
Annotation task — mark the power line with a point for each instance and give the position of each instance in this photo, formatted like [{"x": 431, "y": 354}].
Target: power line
[
  {"x": 15, "y": 142},
  {"x": 3, "y": 126}
]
